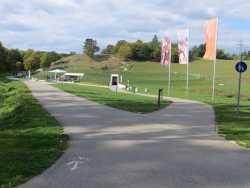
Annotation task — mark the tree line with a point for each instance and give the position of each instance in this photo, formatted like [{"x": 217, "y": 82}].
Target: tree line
[
  {"x": 15, "y": 60},
  {"x": 147, "y": 51}
]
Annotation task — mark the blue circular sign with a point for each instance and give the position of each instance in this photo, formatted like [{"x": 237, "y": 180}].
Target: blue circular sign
[{"x": 241, "y": 67}]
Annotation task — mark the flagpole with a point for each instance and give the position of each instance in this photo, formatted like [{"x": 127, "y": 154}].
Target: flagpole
[
  {"x": 214, "y": 73},
  {"x": 169, "y": 69},
  {"x": 215, "y": 61},
  {"x": 169, "y": 79},
  {"x": 187, "y": 87}
]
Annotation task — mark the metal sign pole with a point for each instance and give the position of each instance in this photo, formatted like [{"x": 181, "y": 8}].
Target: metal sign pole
[
  {"x": 238, "y": 98},
  {"x": 239, "y": 82},
  {"x": 240, "y": 67}
]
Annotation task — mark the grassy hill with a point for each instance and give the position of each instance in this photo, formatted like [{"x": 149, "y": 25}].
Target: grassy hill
[
  {"x": 152, "y": 76},
  {"x": 81, "y": 62}
]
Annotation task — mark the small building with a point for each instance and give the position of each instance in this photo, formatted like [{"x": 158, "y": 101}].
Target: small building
[
  {"x": 73, "y": 77},
  {"x": 114, "y": 84}
]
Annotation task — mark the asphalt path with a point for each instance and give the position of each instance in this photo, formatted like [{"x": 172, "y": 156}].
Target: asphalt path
[{"x": 176, "y": 147}]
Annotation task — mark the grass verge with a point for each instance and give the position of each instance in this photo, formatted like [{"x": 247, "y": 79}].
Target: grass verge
[
  {"x": 30, "y": 139},
  {"x": 231, "y": 126},
  {"x": 123, "y": 101}
]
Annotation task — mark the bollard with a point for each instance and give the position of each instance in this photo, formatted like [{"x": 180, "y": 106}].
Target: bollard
[{"x": 160, "y": 94}]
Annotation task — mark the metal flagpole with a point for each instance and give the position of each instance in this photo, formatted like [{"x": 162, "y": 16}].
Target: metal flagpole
[
  {"x": 215, "y": 60},
  {"x": 169, "y": 70},
  {"x": 187, "y": 87},
  {"x": 214, "y": 73}
]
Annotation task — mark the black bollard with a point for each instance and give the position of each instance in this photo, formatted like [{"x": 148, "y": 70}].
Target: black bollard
[{"x": 160, "y": 94}]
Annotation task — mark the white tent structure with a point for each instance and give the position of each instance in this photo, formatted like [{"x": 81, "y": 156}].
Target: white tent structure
[{"x": 57, "y": 71}]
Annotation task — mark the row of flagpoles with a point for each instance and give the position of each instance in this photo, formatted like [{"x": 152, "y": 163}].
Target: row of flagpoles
[{"x": 211, "y": 32}]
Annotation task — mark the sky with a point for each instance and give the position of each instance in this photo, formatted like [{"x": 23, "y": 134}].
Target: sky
[{"x": 63, "y": 25}]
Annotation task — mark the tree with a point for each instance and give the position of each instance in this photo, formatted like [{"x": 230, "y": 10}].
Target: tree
[
  {"x": 3, "y": 55},
  {"x": 27, "y": 54},
  {"x": 174, "y": 53},
  {"x": 109, "y": 50},
  {"x": 44, "y": 60},
  {"x": 32, "y": 61},
  {"x": 13, "y": 56},
  {"x": 19, "y": 66},
  {"x": 47, "y": 58},
  {"x": 141, "y": 51},
  {"x": 248, "y": 55},
  {"x": 155, "y": 46},
  {"x": 221, "y": 54},
  {"x": 90, "y": 47},
  {"x": 201, "y": 50},
  {"x": 119, "y": 44},
  {"x": 125, "y": 51},
  {"x": 53, "y": 56},
  {"x": 197, "y": 52},
  {"x": 12, "y": 60}
]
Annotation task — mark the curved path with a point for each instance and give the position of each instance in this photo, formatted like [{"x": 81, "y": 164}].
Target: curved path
[{"x": 176, "y": 147}]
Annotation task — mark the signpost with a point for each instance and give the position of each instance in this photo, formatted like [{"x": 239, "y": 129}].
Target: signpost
[{"x": 240, "y": 67}]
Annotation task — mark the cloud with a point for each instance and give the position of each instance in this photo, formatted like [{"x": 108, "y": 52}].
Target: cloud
[{"x": 62, "y": 25}]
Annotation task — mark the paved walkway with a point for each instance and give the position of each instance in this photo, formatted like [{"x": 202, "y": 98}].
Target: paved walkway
[{"x": 109, "y": 148}]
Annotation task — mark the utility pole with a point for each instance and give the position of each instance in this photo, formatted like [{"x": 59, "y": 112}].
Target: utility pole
[{"x": 241, "y": 49}]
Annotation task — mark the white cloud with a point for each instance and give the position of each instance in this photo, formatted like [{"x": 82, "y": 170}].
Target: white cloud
[{"x": 63, "y": 24}]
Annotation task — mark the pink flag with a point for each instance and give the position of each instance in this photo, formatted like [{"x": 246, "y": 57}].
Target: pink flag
[
  {"x": 183, "y": 46},
  {"x": 166, "y": 51}
]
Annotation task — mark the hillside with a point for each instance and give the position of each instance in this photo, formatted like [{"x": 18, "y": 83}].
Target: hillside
[
  {"x": 81, "y": 62},
  {"x": 95, "y": 71},
  {"x": 152, "y": 76}
]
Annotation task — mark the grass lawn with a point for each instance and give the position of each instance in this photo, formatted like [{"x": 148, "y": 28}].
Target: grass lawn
[
  {"x": 30, "y": 139},
  {"x": 123, "y": 101}
]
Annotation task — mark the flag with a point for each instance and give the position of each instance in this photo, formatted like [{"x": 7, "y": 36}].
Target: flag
[
  {"x": 211, "y": 38},
  {"x": 183, "y": 46},
  {"x": 166, "y": 51}
]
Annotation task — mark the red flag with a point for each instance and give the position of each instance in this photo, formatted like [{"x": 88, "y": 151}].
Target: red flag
[
  {"x": 211, "y": 39},
  {"x": 166, "y": 51}
]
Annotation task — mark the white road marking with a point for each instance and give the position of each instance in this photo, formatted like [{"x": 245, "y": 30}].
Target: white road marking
[{"x": 76, "y": 163}]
